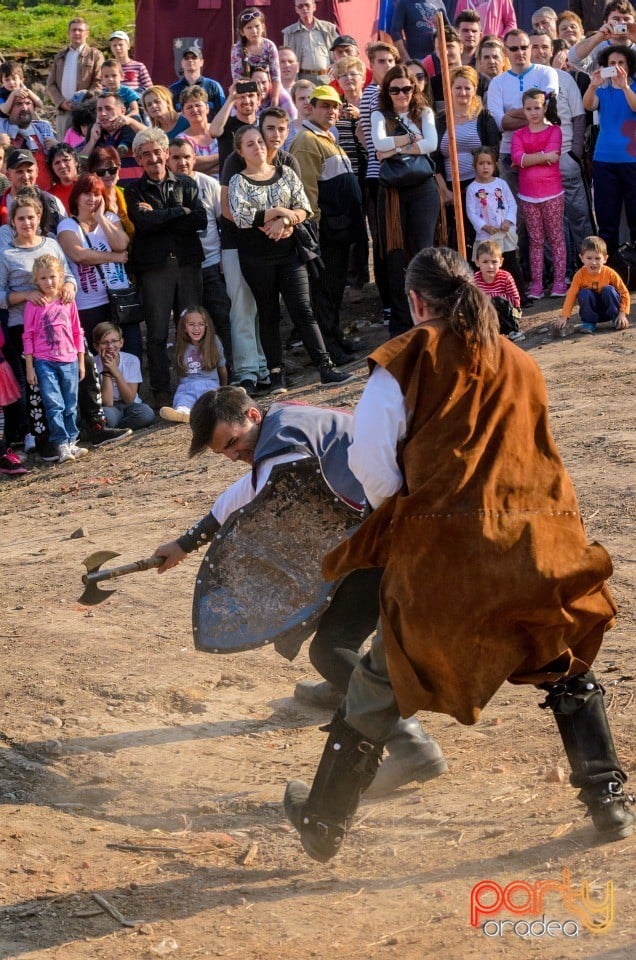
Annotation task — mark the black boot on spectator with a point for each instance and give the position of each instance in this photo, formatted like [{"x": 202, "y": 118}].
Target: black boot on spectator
[
  {"x": 99, "y": 434},
  {"x": 278, "y": 381},
  {"x": 161, "y": 398},
  {"x": 332, "y": 377},
  {"x": 46, "y": 450}
]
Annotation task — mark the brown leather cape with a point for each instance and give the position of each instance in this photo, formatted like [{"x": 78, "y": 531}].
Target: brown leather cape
[{"x": 488, "y": 572}]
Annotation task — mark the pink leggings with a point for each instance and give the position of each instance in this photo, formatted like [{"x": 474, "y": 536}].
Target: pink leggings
[{"x": 543, "y": 220}]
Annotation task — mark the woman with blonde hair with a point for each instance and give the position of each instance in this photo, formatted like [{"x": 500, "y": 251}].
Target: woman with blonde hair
[
  {"x": 157, "y": 102},
  {"x": 474, "y": 127}
]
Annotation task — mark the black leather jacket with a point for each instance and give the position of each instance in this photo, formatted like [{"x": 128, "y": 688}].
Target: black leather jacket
[{"x": 171, "y": 228}]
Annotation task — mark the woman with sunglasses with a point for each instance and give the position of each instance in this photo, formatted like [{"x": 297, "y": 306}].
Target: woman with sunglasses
[
  {"x": 105, "y": 163},
  {"x": 62, "y": 164},
  {"x": 157, "y": 102},
  {"x": 96, "y": 246},
  {"x": 474, "y": 127},
  {"x": 404, "y": 123}
]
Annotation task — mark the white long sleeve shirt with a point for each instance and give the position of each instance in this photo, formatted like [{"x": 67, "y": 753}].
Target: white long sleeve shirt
[
  {"x": 426, "y": 134},
  {"x": 380, "y": 421}
]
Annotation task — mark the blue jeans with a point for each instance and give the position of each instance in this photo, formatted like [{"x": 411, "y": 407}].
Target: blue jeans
[
  {"x": 59, "y": 384},
  {"x": 599, "y": 307},
  {"x": 129, "y": 416},
  {"x": 248, "y": 358}
]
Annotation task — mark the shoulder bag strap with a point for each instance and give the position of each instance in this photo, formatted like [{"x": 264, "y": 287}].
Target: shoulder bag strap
[{"x": 97, "y": 266}]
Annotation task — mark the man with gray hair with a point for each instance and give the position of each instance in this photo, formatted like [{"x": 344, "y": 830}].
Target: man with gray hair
[
  {"x": 545, "y": 18},
  {"x": 166, "y": 253}
]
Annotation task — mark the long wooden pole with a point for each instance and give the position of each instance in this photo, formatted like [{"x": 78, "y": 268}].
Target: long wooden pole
[{"x": 450, "y": 127}]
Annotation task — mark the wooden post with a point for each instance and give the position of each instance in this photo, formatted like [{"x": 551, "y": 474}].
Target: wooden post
[{"x": 450, "y": 127}]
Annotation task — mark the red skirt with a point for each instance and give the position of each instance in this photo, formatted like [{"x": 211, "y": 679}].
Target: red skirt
[{"x": 9, "y": 388}]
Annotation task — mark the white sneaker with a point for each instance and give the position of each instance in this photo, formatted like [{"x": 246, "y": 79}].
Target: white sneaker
[
  {"x": 64, "y": 453},
  {"x": 78, "y": 452}
]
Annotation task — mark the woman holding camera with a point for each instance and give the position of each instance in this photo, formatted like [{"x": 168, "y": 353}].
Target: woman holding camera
[{"x": 612, "y": 92}]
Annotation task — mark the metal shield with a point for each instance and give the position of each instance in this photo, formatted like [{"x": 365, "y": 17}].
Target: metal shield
[{"x": 260, "y": 581}]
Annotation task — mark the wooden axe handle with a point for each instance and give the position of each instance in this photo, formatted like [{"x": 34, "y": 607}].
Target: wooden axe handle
[{"x": 135, "y": 567}]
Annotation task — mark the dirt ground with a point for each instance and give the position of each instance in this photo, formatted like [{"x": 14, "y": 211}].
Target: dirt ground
[{"x": 141, "y": 782}]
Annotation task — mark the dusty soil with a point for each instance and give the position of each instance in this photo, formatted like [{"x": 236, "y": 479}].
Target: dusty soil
[{"x": 138, "y": 771}]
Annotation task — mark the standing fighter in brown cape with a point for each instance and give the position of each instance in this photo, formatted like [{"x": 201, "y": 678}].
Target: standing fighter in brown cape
[{"x": 488, "y": 575}]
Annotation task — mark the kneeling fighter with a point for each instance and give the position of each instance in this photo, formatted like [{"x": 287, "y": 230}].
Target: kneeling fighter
[
  {"x": 228, "y": 422},
  {"x": 488, "y": 575}
]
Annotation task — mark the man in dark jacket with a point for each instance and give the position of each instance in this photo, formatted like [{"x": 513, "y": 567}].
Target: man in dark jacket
[{"x": 167, "y": 213}]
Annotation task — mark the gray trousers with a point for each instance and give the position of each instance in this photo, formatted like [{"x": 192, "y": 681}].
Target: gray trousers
[{"x": 370, "y": 706}]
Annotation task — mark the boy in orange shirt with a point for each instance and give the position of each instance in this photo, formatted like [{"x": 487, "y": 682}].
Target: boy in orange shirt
[{"x": 601, "y": 294}]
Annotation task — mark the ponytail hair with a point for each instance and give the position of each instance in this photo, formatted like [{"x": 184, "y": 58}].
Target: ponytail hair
[
  {"x": 443, "y": 280},
  {"x": 551, "y": 113}
]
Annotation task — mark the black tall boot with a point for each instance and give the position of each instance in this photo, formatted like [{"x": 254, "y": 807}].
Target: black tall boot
[
  {"x": 324, "y": 814},
  {"x": 579, "y": 710}
]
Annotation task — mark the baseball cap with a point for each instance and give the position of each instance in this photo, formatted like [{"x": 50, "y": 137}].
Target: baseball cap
[
  {"x": 193, "y": 49},
  {"x": 325, "y": 93},
  {"x": 346, "y": 40},
  {"x": 17, "y": 157},
  {"x": 119, "y": 35}
]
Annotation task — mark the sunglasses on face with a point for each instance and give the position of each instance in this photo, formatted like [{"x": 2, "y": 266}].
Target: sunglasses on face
[
  {"x": 420, "y": 76},
  {"x": 249, "y": 15},
  {"x": 107, "y": 171},
  {"x": 396, "y": 91},
  {"x": 522, "y": 46}
]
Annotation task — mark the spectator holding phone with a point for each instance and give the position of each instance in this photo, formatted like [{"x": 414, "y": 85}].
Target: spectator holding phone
[
  {"x": 617, "y": 29},
  {"x": 239, "y": 110},
  {"x": 612, "y": 92}
]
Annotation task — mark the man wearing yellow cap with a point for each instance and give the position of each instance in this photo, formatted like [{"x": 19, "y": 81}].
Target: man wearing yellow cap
[{"x": 335, "y": 198}]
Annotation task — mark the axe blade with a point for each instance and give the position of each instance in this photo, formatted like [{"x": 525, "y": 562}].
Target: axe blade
[
  {"x": 94, "y": 560},
  {"x": 92, "y": 594}
]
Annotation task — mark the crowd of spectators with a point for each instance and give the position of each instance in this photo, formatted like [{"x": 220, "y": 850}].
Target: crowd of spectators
[{"x": 217, "y": 204}]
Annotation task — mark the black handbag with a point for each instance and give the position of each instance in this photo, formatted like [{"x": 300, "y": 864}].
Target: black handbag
[
  {"x": 405, "y": 169},
  {"x": 125, "y": 304}
]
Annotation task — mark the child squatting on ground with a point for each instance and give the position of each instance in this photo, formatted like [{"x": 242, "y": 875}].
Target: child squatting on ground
[
  {"x": 601, "y": 295},
  {"x": 200, "y": 363},
  {"x": 500, "y": 287},
  {"x": 54, "y": 355},
  {"x": 120, "y": 376}
]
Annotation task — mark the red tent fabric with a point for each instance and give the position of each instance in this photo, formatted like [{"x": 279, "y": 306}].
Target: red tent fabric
[{"x": 159, "y": 22}]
